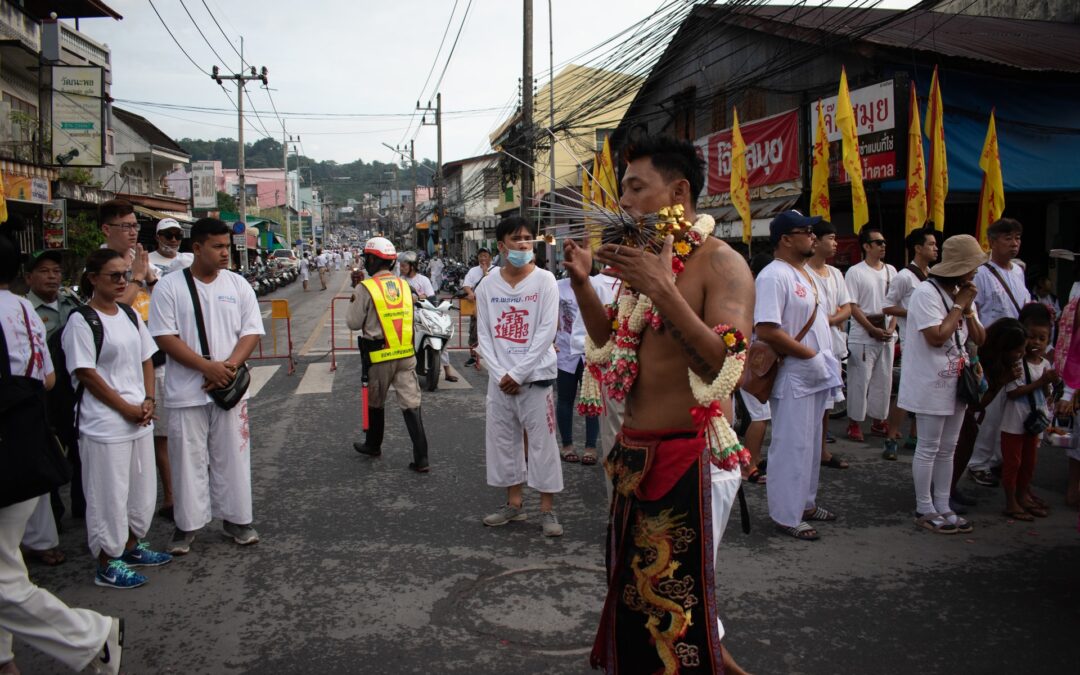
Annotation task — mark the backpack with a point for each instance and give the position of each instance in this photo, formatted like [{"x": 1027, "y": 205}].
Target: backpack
[{"x": 93, "y": 319}]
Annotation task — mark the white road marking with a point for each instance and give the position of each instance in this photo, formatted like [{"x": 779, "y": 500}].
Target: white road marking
[
  {"x": 260, "y": 375},
  {"x": 266, "y": 313},
  {"x": 318, "y": 379}
]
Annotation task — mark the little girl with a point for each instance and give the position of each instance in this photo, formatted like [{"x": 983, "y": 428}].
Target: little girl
[{"x": 1023, "y": 396}]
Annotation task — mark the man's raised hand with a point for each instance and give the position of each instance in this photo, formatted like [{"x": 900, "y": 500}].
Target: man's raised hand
[{"x": 577, "y": 260}]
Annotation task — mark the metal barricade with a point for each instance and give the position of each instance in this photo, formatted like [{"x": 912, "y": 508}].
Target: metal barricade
[
  {"x": 351, "y": 346},
  {"x": 279, "y": 311}
]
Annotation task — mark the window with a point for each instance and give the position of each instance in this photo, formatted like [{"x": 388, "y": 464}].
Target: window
[
  {"x": 24, "y": 118},
  {"x": 719, "y": 111},
  {"x": 753, "y": 105},
  {"x": 601, "y": 136}
]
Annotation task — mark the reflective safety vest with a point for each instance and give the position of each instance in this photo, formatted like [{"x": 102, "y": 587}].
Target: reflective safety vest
[{"x": 393, "y": 301}]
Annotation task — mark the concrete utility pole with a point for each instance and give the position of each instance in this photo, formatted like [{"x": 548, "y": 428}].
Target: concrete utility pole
[
  {"x": 241, "y": 79},
  {"x": 438, "y": 169},
  {"x": 527, "y": 108},
  {"x": 285, "y": 140},
  {"x": 551, "y": 122}
]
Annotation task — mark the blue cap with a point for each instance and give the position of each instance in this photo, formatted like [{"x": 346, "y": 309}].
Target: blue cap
[{"x": 788, "y": 221}]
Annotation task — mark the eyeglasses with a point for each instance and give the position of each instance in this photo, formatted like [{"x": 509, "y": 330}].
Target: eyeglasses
[
  {"x": 117, "y": 277},
  {"x": 876, "y": 242},
  {"x": 797, "y": 232},
  {"x": 171, "y": 234},
  {"x": 126, "y": 227}
]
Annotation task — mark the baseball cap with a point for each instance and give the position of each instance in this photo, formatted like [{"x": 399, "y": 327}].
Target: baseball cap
[
  {"x": 168, "y": 224},
  {"x": 48, "y": 254},
  {"x": 788, "y": 221}
]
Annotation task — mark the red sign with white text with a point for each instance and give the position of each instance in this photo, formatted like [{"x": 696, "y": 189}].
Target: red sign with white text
[{"x": 772, "y": 152}]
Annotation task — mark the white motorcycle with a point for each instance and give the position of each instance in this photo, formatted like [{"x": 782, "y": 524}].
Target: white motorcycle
[{"x": 432, "y": 331}]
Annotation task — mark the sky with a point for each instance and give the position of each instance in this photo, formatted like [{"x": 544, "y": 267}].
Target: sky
[{"x": 331, "y": 57}]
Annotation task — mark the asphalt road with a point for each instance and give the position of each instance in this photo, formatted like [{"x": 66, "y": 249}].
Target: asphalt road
[{"x": 365, "y": 567}]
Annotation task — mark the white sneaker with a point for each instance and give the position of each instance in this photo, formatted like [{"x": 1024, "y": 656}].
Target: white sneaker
[
  {"x": 108, "y": 661},
  {"x": 552, "y": 528}
]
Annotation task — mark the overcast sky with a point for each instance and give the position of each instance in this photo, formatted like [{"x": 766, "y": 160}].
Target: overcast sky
[{"x": 326, "y": 56}]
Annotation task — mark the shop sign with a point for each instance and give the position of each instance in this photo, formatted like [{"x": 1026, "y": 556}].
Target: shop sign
[
  {"x": 54, "y": 223},
  {"x": 203, "y": 185},
  {"x": 78, "y": 116},
  {"x": 875, "y": 117},
  {"x": 27, "y": 188},
  {"x": 771, "y": 153}
]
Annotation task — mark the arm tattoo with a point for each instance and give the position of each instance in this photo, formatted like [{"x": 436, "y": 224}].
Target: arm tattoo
[{"x": 697, "y": 363}]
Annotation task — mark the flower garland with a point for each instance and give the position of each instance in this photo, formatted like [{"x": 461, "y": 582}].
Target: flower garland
[{"x": 615, "y": 363}]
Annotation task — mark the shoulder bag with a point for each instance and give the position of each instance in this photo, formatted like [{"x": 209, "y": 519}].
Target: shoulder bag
[
  {"x": 228, "y": 396},
  {"x": 1008, "y": 291},
  {"x": 1037, "y": 420},
  {"x": 969, "y": 383},
  {"x": 763, "y": 363},
  {"x": 879, "y": 320},
  {"x": 32, "y": 460}
]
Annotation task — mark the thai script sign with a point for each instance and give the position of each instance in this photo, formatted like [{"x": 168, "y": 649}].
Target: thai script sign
[
  {"x": 875, "y": 116},
  {"x": 771, "y": 152},
  {"x": 78, "y": 115}
]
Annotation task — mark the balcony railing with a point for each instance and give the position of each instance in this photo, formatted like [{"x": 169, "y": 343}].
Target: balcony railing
[
  {"x": 78, "y": 43},
  {"x": 14, "y": 25}
]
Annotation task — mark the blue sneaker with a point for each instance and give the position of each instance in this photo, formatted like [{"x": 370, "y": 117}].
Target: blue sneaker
[
  {"x": 118, "y": 575},
  {"x": 142, "y": 556}
]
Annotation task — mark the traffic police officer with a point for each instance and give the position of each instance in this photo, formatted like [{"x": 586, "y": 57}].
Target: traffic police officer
[{"x": 383, "y": 313}]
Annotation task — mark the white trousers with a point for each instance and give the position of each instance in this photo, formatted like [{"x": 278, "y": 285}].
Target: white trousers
[
  {"x": 161, "y": 406},
  {"x": 758, "y": 411},
  {"x": 869, "y": 382},
  {"x": 987, "y": 452},
  {"x": 610, "y": 426},
  {"x": 725, "y": 485},
  {"x": 120, "y": 481},
  {"x": 210, "y": 457},
  {"x": 72, "y": 636},
  {"x": 931, "y": 468},
  {"x": 795, "y": 456},
  {"x": 532, "y": 410},
  {"x": 41, "y": 534}
]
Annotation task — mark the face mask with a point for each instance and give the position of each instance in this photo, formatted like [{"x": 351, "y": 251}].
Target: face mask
[
  {"x": 519, "y": 258},
  {"x": 168, "y": 251}
]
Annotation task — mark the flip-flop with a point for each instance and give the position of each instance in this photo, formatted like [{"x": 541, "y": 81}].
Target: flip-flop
[
  {"x": 1036, "y": 510},
  {"x": 450, "y": 378},
  {"x": 821, "y": 514},
  {"x": 588, "y": 459},
  {"x": 803, "y": 531},
  {"x": 756, "y": 476},
  {"x": 50, "y": 557},
  {"x": 1019, "y": 515},
  {"x": 570, "y": 457}
]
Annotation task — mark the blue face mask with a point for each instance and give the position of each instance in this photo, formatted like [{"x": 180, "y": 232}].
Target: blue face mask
[{"x": 519, "y": 258}]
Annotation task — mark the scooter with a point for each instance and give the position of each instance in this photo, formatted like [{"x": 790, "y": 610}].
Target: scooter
[{"x": 432, "y": 331}]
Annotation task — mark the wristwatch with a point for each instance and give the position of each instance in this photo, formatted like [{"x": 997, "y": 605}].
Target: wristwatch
[{"x": 957, "y": 306}]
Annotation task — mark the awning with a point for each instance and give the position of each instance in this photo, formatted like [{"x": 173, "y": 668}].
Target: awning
[
  {"x": 158, "y": 215},
  {"x": 762, "y": 211}
]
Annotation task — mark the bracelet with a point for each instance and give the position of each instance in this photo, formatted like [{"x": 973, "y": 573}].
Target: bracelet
[
  {"x": 734, "y": 340},
  {"x": 151, "y": 399}
]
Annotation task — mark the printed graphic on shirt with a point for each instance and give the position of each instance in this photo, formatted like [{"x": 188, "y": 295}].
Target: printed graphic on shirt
[
  {"x": 512, "y": 326},
  {"x": 800, "y": 290},
  {"x": 953, "y": 367},
  {"x": 566, "y": 316}
]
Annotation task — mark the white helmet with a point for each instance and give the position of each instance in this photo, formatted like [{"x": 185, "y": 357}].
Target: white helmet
[
  {"x": 408, "y": 257},
  {"x": 380, "y": 247}
]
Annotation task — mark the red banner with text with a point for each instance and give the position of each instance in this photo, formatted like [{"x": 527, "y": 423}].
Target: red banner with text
[{"x": 771, "y": 152}]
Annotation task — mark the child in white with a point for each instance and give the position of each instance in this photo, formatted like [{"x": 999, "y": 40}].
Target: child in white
[{"x": 516, "y": 334}]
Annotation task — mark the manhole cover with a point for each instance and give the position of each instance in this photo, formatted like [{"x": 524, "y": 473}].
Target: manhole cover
[{"x": 550, "y": 608}]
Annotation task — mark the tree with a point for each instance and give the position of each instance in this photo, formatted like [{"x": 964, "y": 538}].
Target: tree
[{"x": 225, "y": 202}]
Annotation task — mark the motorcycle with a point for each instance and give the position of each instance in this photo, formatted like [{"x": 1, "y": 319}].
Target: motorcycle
[{"x": 432, "y": 331}]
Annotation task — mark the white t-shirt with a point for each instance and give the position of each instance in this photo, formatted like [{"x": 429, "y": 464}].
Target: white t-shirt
[
  {"x": 900, "y": 290},
  {"x": 928, "y": 375},
  {"x": 516, "y": 326},
  {"x": 992, "y": 299},
  {"x": 1016, "y": 410},
  {"x": 165, "y": 265},
  {"x": 21, "y": 345},
  {"x": 421, "y": 285},
  {"x": 570, "y": 340},
  {"x": 475, "y": 275},
  {"x": 123, "y": 351},
  {"x": 230, "y": 312},
  {"x": 834, "y": 295},
  {"x": 785, "y": 297},
  {"x": 868, "y": 288}
]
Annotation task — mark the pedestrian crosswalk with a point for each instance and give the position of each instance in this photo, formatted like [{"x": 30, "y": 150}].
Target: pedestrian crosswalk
[{"x": 317, "y": 378}]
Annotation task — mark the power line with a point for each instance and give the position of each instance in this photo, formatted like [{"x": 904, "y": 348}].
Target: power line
[
  {"x": 169, "y": 31},
  {"x": 197, "y": 28},
  {"x": 243, "y": 64},
  {"x": 316, "y": 116},
  {"x": 449, "y": 56},
  {"x": 434, "y": 62}
]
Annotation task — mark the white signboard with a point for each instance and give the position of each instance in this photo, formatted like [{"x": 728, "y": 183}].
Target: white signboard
[
  {"x": 78, "y": 114},
  {"x": 875, "y": 119},
  {"x": 204, "y": 189}
]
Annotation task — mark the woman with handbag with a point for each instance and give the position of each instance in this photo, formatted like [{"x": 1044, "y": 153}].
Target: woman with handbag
[
  {"x": 78, "y": 638},
  {"x": 938, "y": 379},
  {"x": 109, "y": 350},
  {"x": 1024, "y": 417}
]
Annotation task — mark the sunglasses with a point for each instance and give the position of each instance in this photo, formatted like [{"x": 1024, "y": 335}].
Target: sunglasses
[
  {"x": 116, "y": 277},
  {"x": 171, "y": 234},
  {"x": 876, "y": 242},
  {"x": 798, "y": 232}
]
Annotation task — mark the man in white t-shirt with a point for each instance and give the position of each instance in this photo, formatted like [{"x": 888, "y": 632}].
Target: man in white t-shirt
[
  {"x": 517, "y": 316},
  {"x": 209, "y": 447},
  {"x": 1001, "y": 293},
  {"x": 435, "y": 269},
  {"x": 322, "y": 263},
  {"x": 167, "y": 257},
  {"x": 788, "y": 317},
  {"x": 870, "y": 339},
  {"x": 922, "y": 251},
  {"x": 121, "y": 228},
  {"x": 472, "y": 279}
]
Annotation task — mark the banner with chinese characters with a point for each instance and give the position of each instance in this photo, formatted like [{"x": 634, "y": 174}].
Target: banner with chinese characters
[
  {"x": 875, "y": 120},
  {"x": 203, "y": 187},
  {"x": 771, "y": 152}
]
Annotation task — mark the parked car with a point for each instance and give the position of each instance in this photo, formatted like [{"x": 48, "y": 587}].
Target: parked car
[{"x": 286, "y": 256}]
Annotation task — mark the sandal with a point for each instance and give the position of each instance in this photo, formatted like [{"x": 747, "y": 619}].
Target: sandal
[
  {"x": 756, "y": 476},
  {"x": 1036, "y": 510},
  {"x": 51, "y": 556},
  {"x": 936, "y": 523},
  {"x": 963, "y": 525},
  {"x": 835, "y": 463},
  {"x": 1019, "y": 515},
  {"x": 450, "y": 378},
  {"x": 821, "y": 514},
  {"x": 803, "y": 531},
  {"x": 589, "y": 457},
  {"x": 570, "y": 456}
]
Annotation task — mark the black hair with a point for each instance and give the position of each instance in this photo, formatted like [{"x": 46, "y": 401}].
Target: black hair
[
  {"x": 917, "y": 238},
  {"x": 1004, "y": 226},
  {"x": 1036, "y": 314},
  {"x": 673, "y": 158},
  {"x": 483, "y": 250},
  {"x": 864, "y": 234},
  {"x": 10, "y": 257},
  {"x": 1003, "y": 336},
  {"x": 114, "y": 208},
  {"x": 204, "y": 228},
  {"x": 759, "y": 262},
  {"x": 511, "y": 225},
  {"x": 824, "y": 228},
  {"x": 95, "y": 262}
]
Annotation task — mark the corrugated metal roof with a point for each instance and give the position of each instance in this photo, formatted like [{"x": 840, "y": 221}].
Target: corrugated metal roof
[
  {"x": 1040, "y": 46},
  {"x": 148, "y": 131}
]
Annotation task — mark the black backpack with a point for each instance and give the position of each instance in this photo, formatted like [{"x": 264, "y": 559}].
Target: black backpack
[{"x": 93, "y": 319}]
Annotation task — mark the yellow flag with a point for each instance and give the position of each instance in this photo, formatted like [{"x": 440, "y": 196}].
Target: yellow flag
[
  {"x": 591, "y": 226},
  {"x": 937, "y": 164},
  {"x": 915, "y": 199},
  {"x": 739, "y": 190},
  {"x": 845, "y": 119},
  {"x": 3, "y": 202},
  {"x": 598, "y": 181},
  {"x": 607, "y": 177},
  {"x": 586, "y": 190},
  {"x": 819, "y": 180},
  {"x": 992, "y": 195}
]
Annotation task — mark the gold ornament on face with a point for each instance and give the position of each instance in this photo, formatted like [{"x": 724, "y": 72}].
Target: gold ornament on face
[{"x": 671, "y": 220}]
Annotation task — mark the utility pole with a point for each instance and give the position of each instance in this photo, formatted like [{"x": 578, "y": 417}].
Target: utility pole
[
  {"x": 438, "y": 168},
  {"x": 551, "y": 122},
  {"x": 285, "y": 140},
  {"x": 241, "y": 79},
  {"x": 412, "y": 162},
  {"x": 527, "y": 108}
]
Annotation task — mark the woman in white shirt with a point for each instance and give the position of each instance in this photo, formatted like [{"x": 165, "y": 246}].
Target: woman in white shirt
[
  {"x": 108, "y": 350},
  {"x": 941, "y": 319},
  {"x": 78, "y": 638}
]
